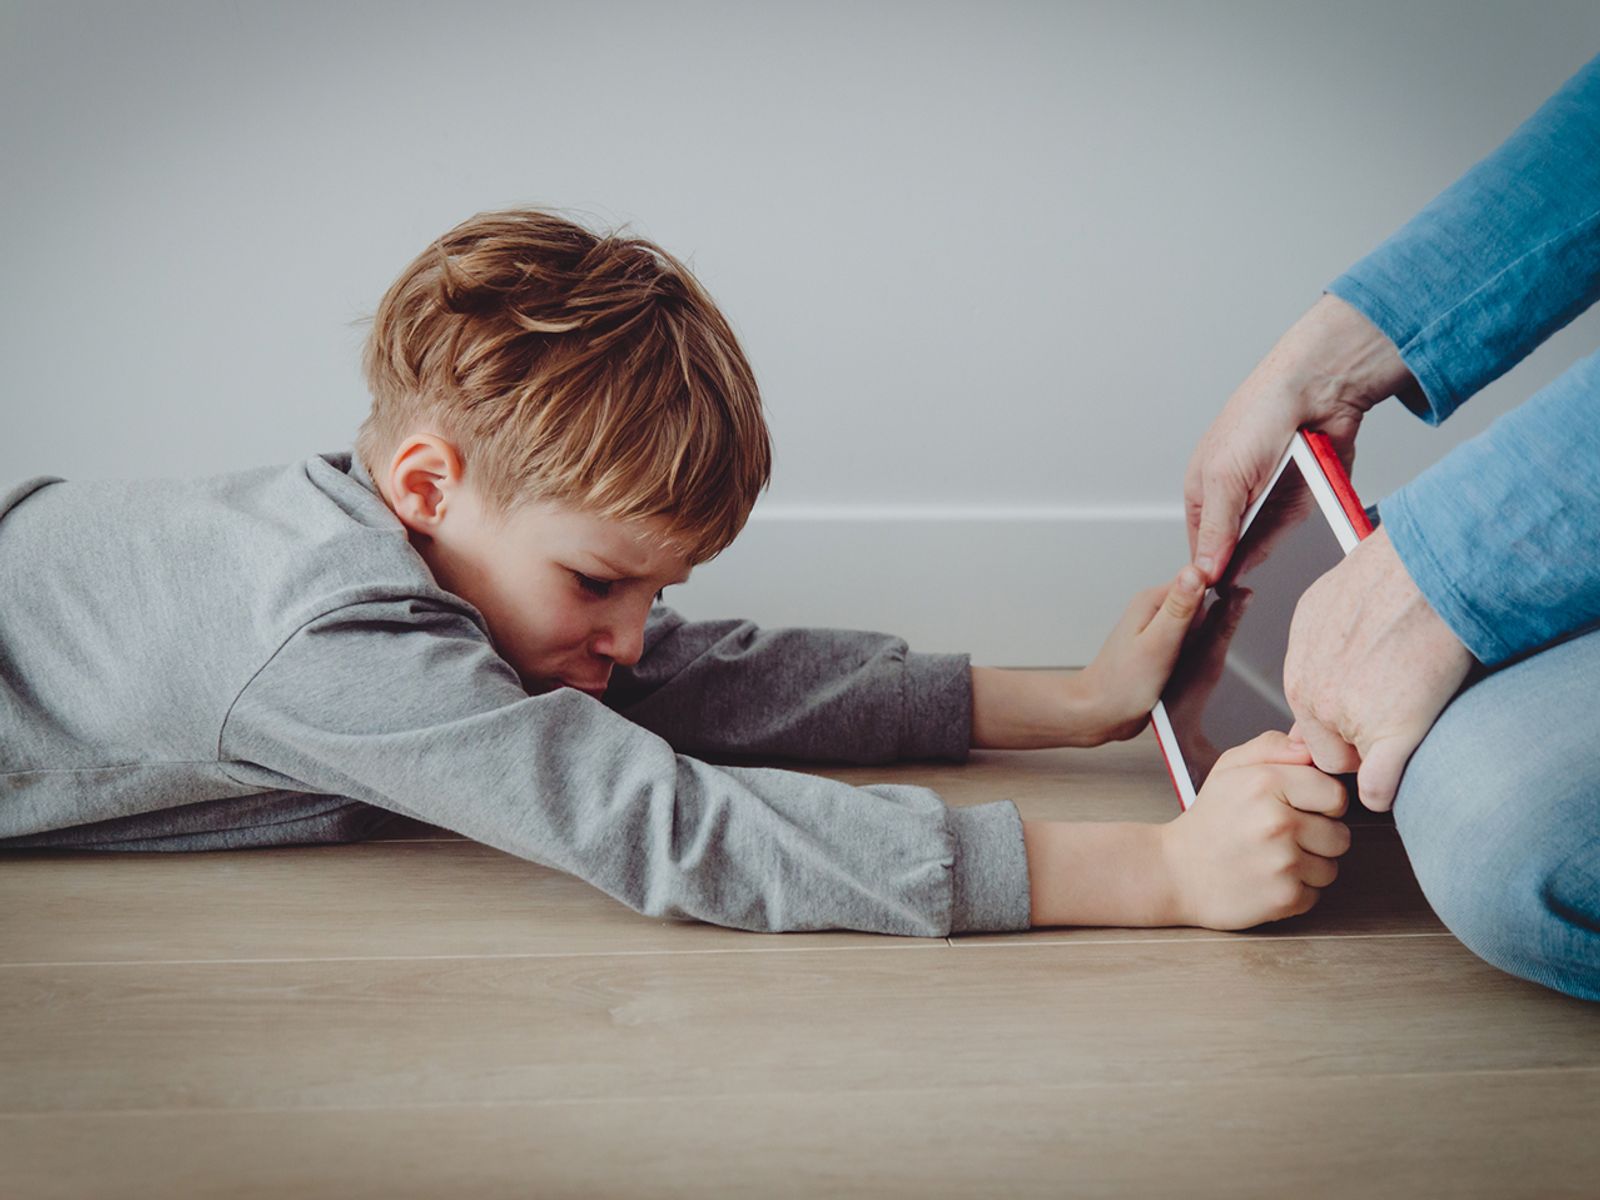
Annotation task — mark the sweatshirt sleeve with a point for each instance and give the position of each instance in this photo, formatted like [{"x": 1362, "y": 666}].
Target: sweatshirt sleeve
[
  {"x": 1499, "y": 261},
  {"x": 824, "y": 695},
  {"x": 403, "y": 704}
]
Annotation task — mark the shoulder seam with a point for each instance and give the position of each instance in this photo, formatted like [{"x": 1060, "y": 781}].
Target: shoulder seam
[{"x": 222, "y": 727}]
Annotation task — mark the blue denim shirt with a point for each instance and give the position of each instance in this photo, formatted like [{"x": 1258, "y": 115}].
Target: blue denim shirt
[{"x": 1502, "y": 536}]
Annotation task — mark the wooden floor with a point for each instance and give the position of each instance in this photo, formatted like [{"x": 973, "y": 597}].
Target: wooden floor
[{"x": 426, "y": 1017}]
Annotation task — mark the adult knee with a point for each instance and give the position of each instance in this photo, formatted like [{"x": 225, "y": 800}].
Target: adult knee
[{"x": 1503, "y": 833}]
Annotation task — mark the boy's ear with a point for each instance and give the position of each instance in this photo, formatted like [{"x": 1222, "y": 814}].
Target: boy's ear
[{"x": 424, "y": 476}]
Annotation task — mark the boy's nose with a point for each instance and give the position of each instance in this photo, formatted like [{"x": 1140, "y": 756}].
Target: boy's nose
[{"x": 624, "y": 646}]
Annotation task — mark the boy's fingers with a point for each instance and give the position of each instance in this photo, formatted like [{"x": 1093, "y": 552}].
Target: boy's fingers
[
  {"x": 1183, "y": 597},
  {"x": 1144, "y": 606},
  {"x": 1311, "y": 791},
  {"x": 1323, "y": 836},
  {"x": 1317, "y": 871},
  {"x": 1269, "y": 747},
  {"x": 1171, "y": 618},
  {"x": 1308, "y": 900},
  {"x": 1329, "y": 751}
]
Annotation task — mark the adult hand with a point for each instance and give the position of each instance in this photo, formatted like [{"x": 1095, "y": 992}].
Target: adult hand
[
  {"x": 1369, "y": 668},
  {"x": 1324, "y": 374}
]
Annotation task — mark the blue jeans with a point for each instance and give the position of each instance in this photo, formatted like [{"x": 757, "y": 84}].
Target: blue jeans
[{"x": 1499, "y": 811}]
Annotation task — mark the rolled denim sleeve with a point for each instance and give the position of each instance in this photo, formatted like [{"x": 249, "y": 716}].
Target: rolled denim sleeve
[
  {"x": 1499, "y": 261},
  {"x": 1502, "y": 536}
]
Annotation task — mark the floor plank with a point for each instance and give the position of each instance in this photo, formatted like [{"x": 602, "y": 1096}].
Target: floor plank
[
  {"x": 424, "y": 1016},
  {"x": 1463, "y": 1135},
  {"x": 409, "y": 898},
  {"x": 349, "y": 1033}
]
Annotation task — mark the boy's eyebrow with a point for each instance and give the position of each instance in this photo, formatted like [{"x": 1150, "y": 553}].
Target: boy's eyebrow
[{"x": 615, "y": 570}]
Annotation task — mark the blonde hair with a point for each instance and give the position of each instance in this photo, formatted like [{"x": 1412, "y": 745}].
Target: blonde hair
[{"x": 591, "y": 370}]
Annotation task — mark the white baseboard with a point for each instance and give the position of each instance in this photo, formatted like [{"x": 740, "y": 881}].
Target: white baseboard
[{"x": 1013, "y": 587}]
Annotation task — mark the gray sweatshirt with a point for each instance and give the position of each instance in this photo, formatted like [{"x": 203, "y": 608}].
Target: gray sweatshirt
[{"x": 263, "y": 659}]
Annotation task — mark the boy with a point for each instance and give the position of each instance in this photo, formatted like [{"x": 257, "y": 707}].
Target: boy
[{"x": 457, "y": 623}]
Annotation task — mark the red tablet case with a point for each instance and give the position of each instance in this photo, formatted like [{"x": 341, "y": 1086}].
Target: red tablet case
[
  {"x": 1339, "y": 480},
  {"x": 1322, "y": 446}
]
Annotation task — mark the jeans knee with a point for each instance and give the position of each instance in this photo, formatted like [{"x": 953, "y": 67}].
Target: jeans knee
[{"x": 1520, "y": 894}]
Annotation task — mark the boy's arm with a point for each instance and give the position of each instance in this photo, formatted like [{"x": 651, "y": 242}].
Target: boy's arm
[
  {"x": 403, "y": 704},
  {"x": 851, "y": 696},
  {"x": 829, "y": 695}
]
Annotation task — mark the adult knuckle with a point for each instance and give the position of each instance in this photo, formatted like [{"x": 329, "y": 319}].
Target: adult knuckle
[{"x": 1216, "y": 476}]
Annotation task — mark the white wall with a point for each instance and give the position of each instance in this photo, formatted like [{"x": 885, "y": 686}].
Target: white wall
[{"x": 996, "y": 265}]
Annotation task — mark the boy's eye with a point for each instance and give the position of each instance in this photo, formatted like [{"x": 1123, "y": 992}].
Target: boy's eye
[
  {"x": 598, "y": 587},
  {"x": 602, "y": 587}
]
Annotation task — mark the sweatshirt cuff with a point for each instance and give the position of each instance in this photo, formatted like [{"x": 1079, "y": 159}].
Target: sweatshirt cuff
[
  {"x": 938, "y": 707},
  {"x": 989, "y": 878}
]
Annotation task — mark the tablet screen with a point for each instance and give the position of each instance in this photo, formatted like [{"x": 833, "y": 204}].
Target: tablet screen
[{"x": 1227, "y": 686}]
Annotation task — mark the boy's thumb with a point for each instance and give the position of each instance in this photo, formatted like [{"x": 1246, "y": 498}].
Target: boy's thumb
[
  {"x": 1163, "y": 633},
  {"x": 1183, "y": 597}
]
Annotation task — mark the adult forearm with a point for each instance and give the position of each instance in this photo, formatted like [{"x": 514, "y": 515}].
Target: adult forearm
[
  {"x": 1334, "y": 358},
  {"x": 1098, "y": 873}
]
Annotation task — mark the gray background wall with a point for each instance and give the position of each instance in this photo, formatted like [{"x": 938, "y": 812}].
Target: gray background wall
[{"x": 996, "y": 265}]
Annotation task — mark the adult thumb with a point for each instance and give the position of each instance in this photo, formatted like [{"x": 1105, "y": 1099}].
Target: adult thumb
[
  {"x": 1378, "y": 778},
  {"x": 1224, "y": 504}
]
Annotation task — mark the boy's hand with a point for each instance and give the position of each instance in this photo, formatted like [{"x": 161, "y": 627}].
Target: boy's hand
[
  {"x": 1260, "y": 839},
  {"x": 1123, "y": 683}
]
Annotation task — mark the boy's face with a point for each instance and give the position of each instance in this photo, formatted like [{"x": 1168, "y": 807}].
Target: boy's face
[{"x": 565, "y": 593}]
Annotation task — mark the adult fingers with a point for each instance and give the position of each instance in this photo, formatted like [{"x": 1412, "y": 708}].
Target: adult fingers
[
  {"x": 1194, "y": 496},
  {"x": 1222, "y": 506},
  {"x": 1381, "y": 768}
]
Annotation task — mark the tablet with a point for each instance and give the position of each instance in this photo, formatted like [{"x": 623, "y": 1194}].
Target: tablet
[{"x": 1227, "y": 686}]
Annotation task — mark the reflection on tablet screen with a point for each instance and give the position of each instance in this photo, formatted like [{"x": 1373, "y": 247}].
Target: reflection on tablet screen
[{"x": 1228, "y": 684}]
